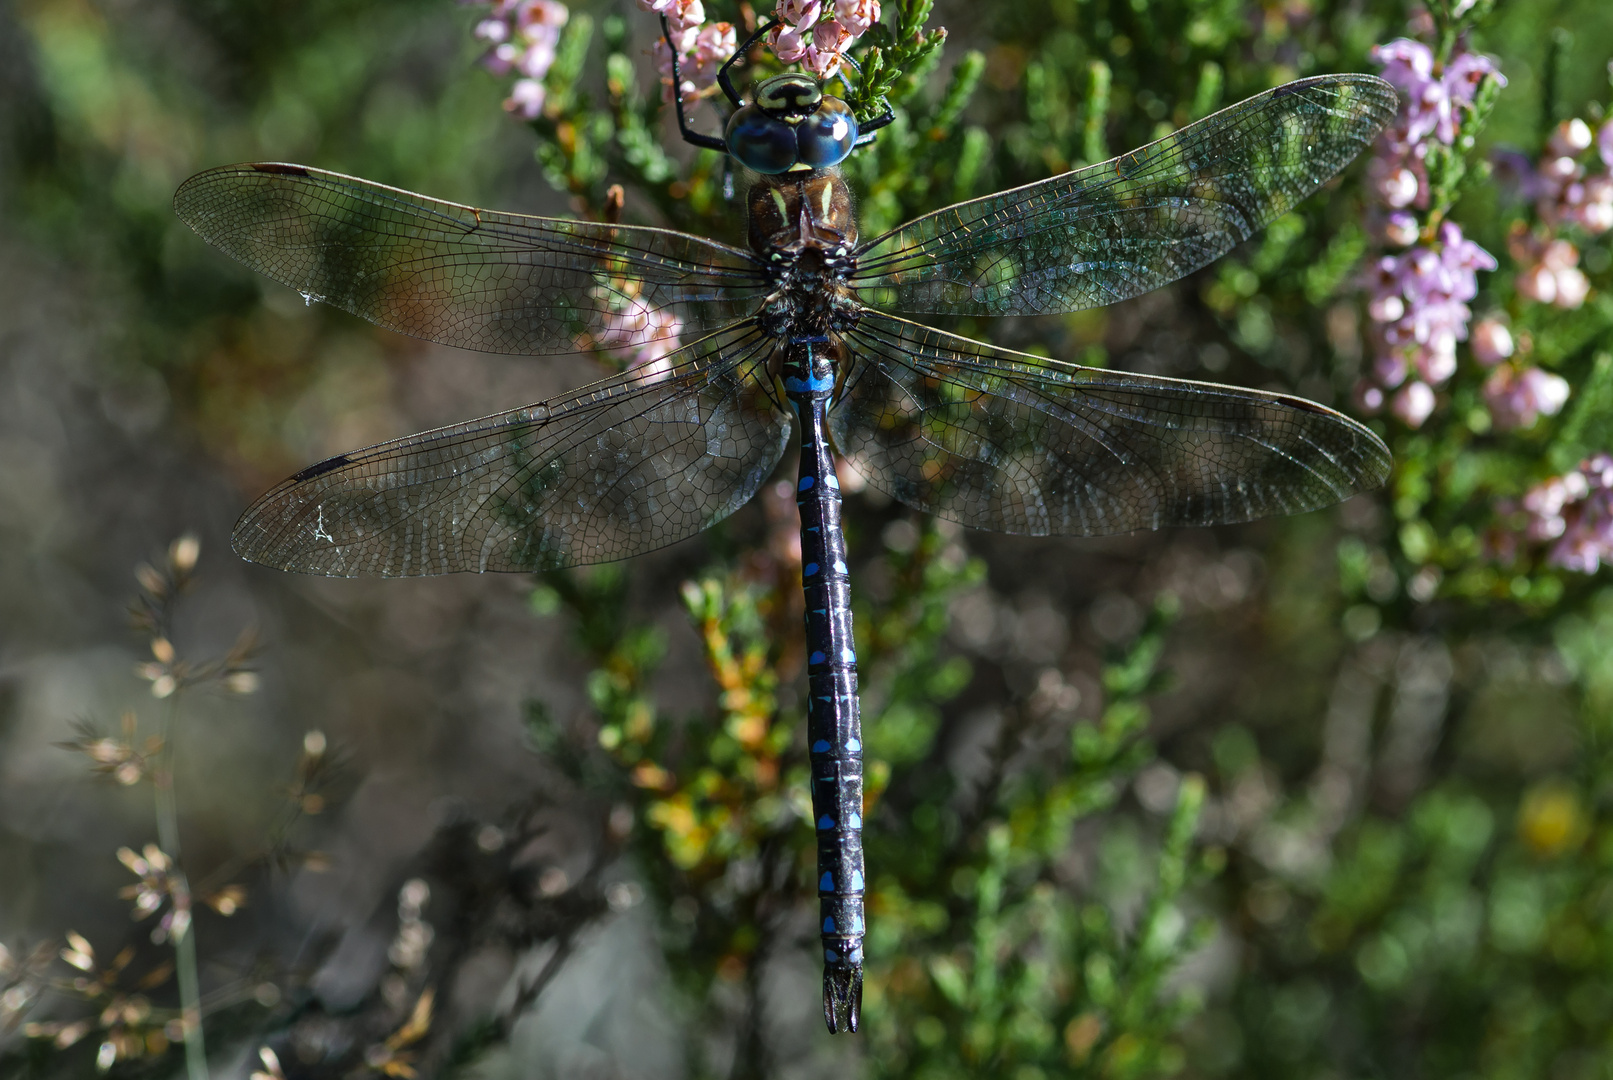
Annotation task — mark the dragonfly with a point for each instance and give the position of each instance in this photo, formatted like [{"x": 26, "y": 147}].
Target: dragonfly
[{"x": 802, "y": 332}]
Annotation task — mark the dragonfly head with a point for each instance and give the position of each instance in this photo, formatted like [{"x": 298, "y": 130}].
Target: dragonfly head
[{"x": 791, "y": 126}]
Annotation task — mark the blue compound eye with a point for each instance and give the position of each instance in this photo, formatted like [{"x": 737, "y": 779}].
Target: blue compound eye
[
  {"x": 759, "y": 141},
  {"x": 827, "y": 136}
]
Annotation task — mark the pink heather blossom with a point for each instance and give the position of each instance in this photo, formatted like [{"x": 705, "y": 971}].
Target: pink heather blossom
[
  {"x": 1572, "y": 288},
  {"x": 535, "y": 62},
  {"x": 701, "y": 50},
  {"x": 1517, "y": 396},
  {"x": 1419, "y": 308},
  {"x": 1576, "y": 511},
  {"x": 818, "y": 43},
  {"x": 1390, "y": 369},
  {"x": 1431, "y": 101},
  {"x": 545, "y": 13},
  {"x": 857, "y": 16},
  {"x": 1369, "y": 398},
  {"x": 799, "y": 13},
  {"x": 788, "y": 44},
  {"x": 1418, "y": 299},
  {"x": 684, "y": 14},
  {"x": 1413, "y": 404},
  {"x": 1570, "y": 138},
  {"x": 1386, "y": 307},
  {"x": 1400, "y": 229},
  {"x": 1492, "y": 342},
  {"x": 1562, "y": 189},
  {"x": 526, "y": 99},
  {"x": 713, "y": 46},
  {"x": 1550, "y": 271},
  {"x": 524, "y": 35},
  {"x": 1595, "y": 213},
  {"x": 1436, "y": 361},
  {"x": 829, "y": 40},
  {"x": 492, "y": 31},
  {"x": 1431, "y": 109},
  {"x": 1537, "y": 283},
  {"x": 1399, "y": 188}
]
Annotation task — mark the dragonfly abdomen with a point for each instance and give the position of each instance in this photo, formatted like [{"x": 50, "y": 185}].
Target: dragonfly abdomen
[{"x": 834, "y": 728}]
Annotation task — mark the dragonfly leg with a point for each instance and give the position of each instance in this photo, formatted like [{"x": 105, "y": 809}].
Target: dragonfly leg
[
  {"x": 708, "y": 142},
  {"x": 724, "y": 78}
]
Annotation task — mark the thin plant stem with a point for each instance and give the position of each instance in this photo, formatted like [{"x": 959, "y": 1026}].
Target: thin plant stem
[{"x": 184, "y": 937}]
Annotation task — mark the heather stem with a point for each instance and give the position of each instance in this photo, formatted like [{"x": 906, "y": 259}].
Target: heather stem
[{"x": 183, "y": 938}]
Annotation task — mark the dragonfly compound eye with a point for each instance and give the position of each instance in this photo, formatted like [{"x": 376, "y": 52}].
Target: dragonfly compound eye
[
  {"x": 827, "y": 136},
  {"x": 759, "y": 141}
]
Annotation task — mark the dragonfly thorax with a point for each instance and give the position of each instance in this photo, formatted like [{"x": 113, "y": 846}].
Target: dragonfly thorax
[
  {"x": 803, "y": 227},
  {"x": 790, "y": 214}
]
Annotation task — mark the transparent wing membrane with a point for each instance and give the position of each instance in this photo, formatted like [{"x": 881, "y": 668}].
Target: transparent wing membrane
[
  {"x": 629, "y": 464},
  {"x": 1123, "y": 227},
  {"x": 477, "y": 279},
  {"x": 1001, "y": 440}
]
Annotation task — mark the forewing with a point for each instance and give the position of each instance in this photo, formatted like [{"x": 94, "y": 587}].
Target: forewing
[
  {"x": 1123, "y": 227},
  {"x": 624, "y": 466},
  {"x": 1001, "y": 440},
  {"x": 473, "y": 278}
]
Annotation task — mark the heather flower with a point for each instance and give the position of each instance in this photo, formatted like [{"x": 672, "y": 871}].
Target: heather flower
[
  {"x": 801, "y": 34},
  {"x": 1595, "y": 213},
  {"x": 1413, "y": 404},
  {"x": 713, "y": 45},
  {"x": 700, "y": 50},
  {"x": 684, "y": 15},
  {"x": 526, "y": 98},
  {"x": 829, "y": 41},
  {"x": 1559, "y": 186},
  {"x": 1576, "y": 511},
  {"x": 1517, "y": 396},
  {"x": 857, "y": 16},
  {"x": 1550, "y": 271},
  {"x": 1604, "y": 144},
  {"x": 1491, "y": 342},
  {"x": 1400, "y": 229},
  {"x": 1570, "y": 138},
  {"x": 787, "y": 43},
  {"x": 524, "y": 36},
  {"x": 1418, "y": 299},
  {"x": 1431, "y": 107},
  {"x": 817, "y": 37},
  {"x": 798, "y": 12},
  {"x": 492, "y": 31},
  {"x": 1419, "y": 307}
]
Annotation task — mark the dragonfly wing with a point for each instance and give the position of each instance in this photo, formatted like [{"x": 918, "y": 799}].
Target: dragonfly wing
[
  {"x": 1015, "y": 443},
  {"x": 1123, "y": 227},
  {"x": 477, "y": 279},
  {"x": 629, "y": 464}
]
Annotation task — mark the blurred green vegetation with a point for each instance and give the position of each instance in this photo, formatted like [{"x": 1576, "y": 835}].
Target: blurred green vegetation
[{"x": 1328, "y": 796}]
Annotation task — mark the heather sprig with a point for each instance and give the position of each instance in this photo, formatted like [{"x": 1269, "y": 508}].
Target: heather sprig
[{"x": 1419, "y": 296}]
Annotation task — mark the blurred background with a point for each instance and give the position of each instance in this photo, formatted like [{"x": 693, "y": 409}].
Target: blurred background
[{"x": 1323, "y": 796}]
